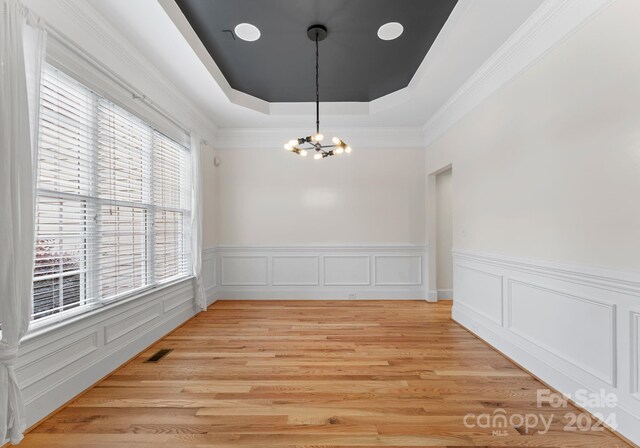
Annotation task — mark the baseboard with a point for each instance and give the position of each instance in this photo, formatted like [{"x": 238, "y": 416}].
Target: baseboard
[{"x": 445, "y": 294}]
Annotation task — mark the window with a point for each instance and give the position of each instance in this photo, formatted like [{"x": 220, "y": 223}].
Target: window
[{"x": 113, "y": 201}]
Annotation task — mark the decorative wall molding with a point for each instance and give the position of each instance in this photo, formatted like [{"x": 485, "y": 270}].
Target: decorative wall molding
[
  {"x": 608, "y": 322},
  {"x": 317, "y": 272},
  {"x": 550, "y": 25},
  {"x": 361, "y": 138},
  {"x": 398, "y": 270},
  {"x": 209, "y": 273},
  {"x": 634, "y": 331},
  {"x": 336, "y": 269},
  {"x": 58, "y": 362},
  {"x": 244, "y": 270},
  {"x": 484, "y": 288},
  {"x": 295, "y": 270},
  {"x": 132, "y": 321},
  {"x": 608, "y": 279},
  {"x": 56, "y": 356},
  {"x": 327, "y": 249},
  {"x": 575, "y": 327}
]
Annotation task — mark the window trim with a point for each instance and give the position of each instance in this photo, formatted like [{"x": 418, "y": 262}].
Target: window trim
[{"x": 95, "y": 79}]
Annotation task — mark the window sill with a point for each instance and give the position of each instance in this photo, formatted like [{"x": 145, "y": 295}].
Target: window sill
[{"x": 42, "y": 328}]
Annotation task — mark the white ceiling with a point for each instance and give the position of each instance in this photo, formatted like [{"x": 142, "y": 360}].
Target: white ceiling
[{"x": 474, "y": 31}]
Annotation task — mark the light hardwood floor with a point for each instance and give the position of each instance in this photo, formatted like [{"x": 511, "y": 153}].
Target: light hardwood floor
[{"x": 311, "y": 373}]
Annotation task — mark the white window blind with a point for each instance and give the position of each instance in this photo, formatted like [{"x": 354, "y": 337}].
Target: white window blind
[{"x": 113, "y": 203}]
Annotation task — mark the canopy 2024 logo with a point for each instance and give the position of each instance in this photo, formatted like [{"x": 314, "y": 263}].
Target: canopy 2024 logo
[{"x": 551, "y": 405}]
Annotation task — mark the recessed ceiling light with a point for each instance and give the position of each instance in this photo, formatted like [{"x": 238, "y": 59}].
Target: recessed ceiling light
[
  {"x": 248, "y": 32},
  {"x": 390, "y": 31}
]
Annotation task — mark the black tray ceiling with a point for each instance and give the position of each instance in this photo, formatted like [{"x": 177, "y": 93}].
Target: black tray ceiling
[{"x": 355, "y": 65}]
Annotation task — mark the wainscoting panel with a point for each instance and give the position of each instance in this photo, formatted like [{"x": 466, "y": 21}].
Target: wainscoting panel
[
  {"x": 244, "y": 270},
  {"x": 398, "y": 270},
  {"x": 57, "y": 362},
  {"x": 209, "y": 277},
  {"x": 591, "y": 347},
  {"x": 347, "y": 270},
  {"x": 55, "y": 357},
  {"x": 634, "y": 331},
  {"x": 319, "y": 272},
  {"x": 131, "y": 321},
  {"x": 210, "y": 273},
  {"x": 479, "y": 291},
  {"x": 575, "y": 327},
  {"x": 182, "y": 300},
  {"x": 295, "y": 270}
]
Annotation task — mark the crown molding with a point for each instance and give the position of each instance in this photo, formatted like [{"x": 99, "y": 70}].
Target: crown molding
[
  {"x": 81, "y": 24},
  {"x": 550, "y": 25},
  {"x": 268, "y": 138}
]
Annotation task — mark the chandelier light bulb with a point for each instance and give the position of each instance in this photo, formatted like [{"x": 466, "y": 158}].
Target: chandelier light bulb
[
  {"x": 347, "y": 149},
  {"x": 335, "y": 140},
  {"x": 317, "y": 156},
  {"x": 288, "y": 147},
  {"x": 293, "y": 142},
  {"x": 303, "y": 153},
  {"x": 319, "y": 137},
  {"x": 339, "y": 150}
]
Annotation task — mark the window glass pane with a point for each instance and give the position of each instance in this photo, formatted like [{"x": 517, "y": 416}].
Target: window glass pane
[
  {"x": 60, "y": 254},
  {"x": 66, "y": 135},
  {"x": 169, "y": 179},
  {"x": 123, "y": 249},
  {"x": 124, "y": 147},
  {"x": 113, "y": 201},
  {"x": 169, "y": 241}
]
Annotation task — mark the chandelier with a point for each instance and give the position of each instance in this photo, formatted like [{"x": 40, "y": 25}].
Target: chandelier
[{"x": 301, "y": 146}]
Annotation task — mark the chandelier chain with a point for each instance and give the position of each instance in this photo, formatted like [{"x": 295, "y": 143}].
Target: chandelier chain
[{"x": 317, "y": 88}]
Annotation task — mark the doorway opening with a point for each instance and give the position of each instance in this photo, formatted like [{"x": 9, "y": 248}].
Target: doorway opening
[
  {"x": 440, "y": 234},
  {"x": 444, "y": 235}
]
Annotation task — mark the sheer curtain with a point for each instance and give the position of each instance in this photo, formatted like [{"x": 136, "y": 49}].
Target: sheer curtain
[
  {"x": 22, "y": 43},
  {"x": 196, "y": 220}
]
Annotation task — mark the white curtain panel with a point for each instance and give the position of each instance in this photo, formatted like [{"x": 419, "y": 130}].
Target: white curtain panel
[
  {"x": 196, "y": 220},
  {"x": 22, "y": 43}
]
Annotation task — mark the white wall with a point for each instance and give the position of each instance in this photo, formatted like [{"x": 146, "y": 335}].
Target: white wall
[
  {"x": 348, "y": 227},
  {"x": 273, "y": 197},
  {"x": 546, "y": 186},
  {"x": 444, "y": 237},
  {"x": 210, "y": 197},
  {"x": 548, "y": 167}
]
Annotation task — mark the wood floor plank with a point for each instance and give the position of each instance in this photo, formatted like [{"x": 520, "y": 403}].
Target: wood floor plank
[{"x": 308, "y": 374}]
